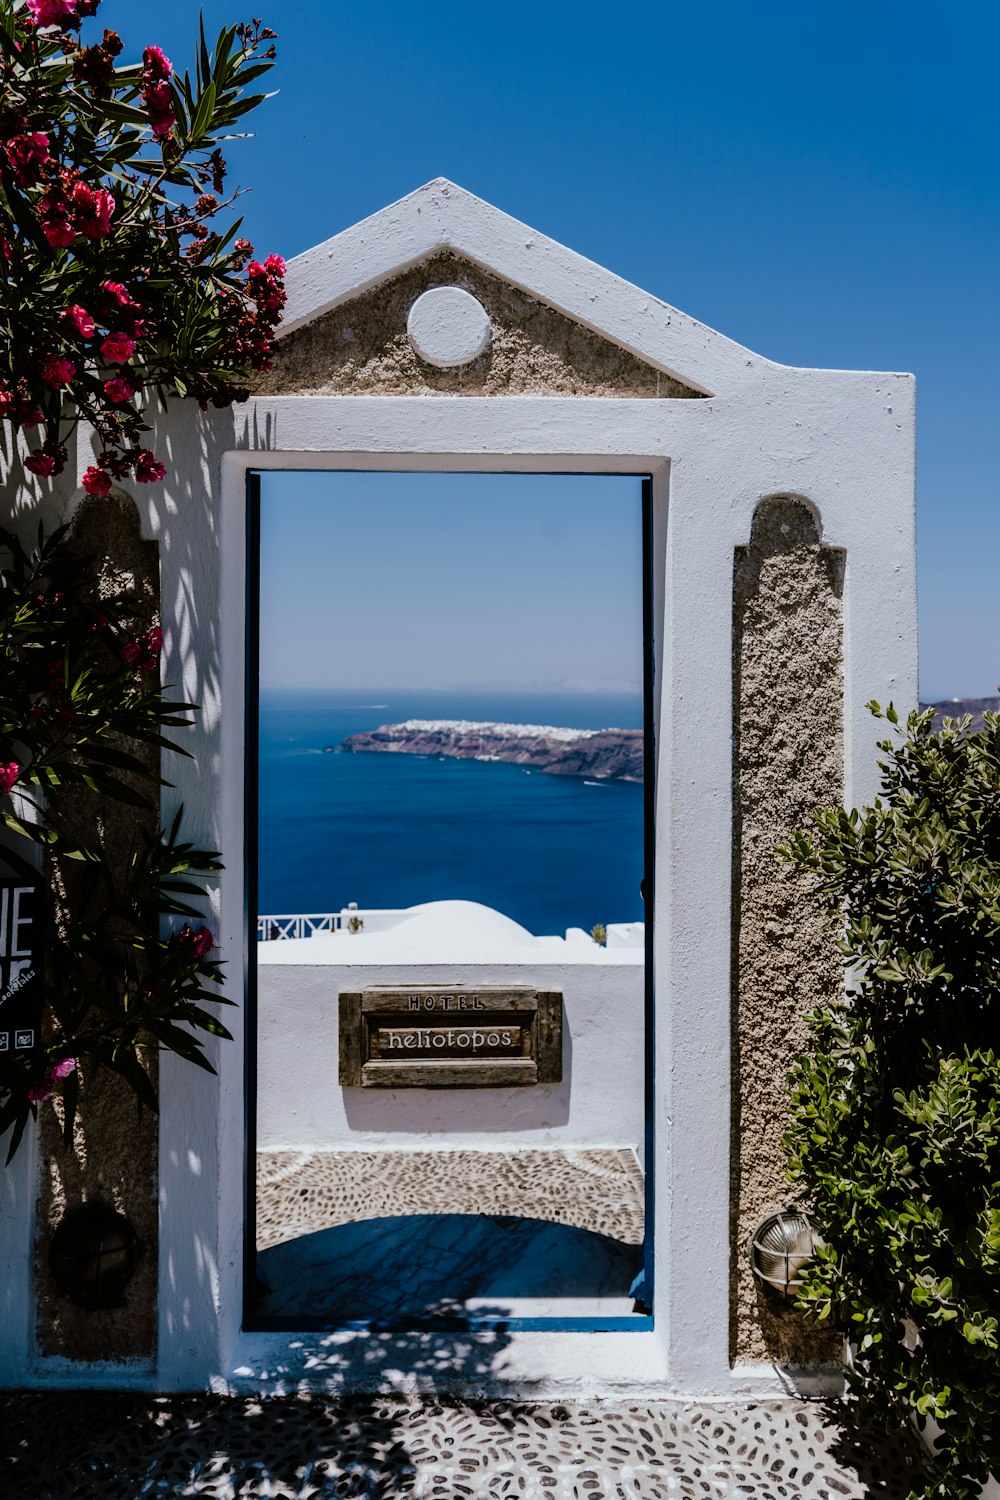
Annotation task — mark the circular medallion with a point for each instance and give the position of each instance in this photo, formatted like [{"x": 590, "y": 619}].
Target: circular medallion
[{"x": 448, "y": 327}]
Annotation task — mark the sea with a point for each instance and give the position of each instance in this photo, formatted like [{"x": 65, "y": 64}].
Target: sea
[{"x": 396, "y": 830}]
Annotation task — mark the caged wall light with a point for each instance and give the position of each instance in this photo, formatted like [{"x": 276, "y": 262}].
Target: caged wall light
[
  {"x": 779, "y": 1249},
  {"x": 93, "y": 1256}
]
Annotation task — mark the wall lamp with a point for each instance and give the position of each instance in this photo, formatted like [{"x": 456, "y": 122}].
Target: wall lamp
[
  {"x": 779, "y": 1249},
  {"x": 93, "y": 1256}
]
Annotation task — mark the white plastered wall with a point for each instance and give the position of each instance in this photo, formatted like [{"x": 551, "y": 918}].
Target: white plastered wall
[
  {"x": 844, "y": 442},
  {"x": 598, "y": 1102}
]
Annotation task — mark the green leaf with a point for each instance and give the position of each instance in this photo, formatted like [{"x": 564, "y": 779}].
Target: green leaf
[
  {"x": 125, "y": 114},
  {"x": 203, "y": 115}
]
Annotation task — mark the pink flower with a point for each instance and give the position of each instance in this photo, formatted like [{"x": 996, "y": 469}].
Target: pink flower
[
  {"x": 149, "y": 647},
  {"x": 265, "y": 285},
  {"x": 156, "y": 95},
  {"x": 148, "y": 467},
  {"x": 118, "y": 390},
  {"x": 6, "y": 400},
  {"x": 92, "y": 210},
  {"x": 58, "y": 371},
  {"x": 204, "y": 942},
  {"x": 162, "y": 123},
  {"x": 27, "y": 154},
  {"x": 155, "y": 63},
  {"x": 96, "y": 481},
  {"x": 58, "y": 230},
  {"x": 46, "y": 461},
  {"x": 118, "y": 348},
  {"x": 145, "y": 652},
  {"x": 8, "y": 775},
  {"x": 28, "y": 416},
  {"x": 41, "y": 1090},
  {"x": 52, "y": 12},
  {"x": 120, "y": 293},
  {"x": 195, "y": 945},
  {"x": 81, "y": 320}
]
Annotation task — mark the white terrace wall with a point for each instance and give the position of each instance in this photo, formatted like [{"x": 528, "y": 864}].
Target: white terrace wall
[
  {"x": 600, "y": 1101},
  {"x": 614, "y": 381}
]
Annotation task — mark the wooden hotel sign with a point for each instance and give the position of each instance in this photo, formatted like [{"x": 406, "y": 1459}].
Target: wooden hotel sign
[{"x": 449, "y": 1037}]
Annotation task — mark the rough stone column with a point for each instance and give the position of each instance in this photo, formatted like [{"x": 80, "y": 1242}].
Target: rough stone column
[
  {"x": 113, "y": 1156},
  {"x": 788, "y": 759}
]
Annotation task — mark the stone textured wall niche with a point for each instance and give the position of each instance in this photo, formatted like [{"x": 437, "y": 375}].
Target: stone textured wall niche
[
  {"x": 362, "y": 348},
  {"x": 113, "y": 1156},
  {"x": 788, "y": 758}
]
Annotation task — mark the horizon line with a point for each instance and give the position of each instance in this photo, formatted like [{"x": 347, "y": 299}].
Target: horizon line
[{"x": 626, "y": 690}]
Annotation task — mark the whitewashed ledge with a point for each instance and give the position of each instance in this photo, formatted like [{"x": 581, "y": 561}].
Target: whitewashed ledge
[
  {"x": 599, "y": 1102},
  {"x": 449, "y": 932}
]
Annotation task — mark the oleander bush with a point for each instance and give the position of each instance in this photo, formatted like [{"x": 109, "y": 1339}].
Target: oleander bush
[
  {"x": 895, "y": 1135},
  {"x": 80, "y": 698},
  {"x": 120, "y": 277}
]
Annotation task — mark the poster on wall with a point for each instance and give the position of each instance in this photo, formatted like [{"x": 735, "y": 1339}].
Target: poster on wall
[{"x": 20, "y": 966}]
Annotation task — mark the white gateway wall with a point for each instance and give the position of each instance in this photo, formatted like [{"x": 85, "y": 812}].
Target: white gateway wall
[{"x": 840, "y": 441}]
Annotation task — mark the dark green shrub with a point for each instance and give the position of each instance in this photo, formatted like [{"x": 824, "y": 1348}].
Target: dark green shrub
[{"x": 896, "y": 1106}]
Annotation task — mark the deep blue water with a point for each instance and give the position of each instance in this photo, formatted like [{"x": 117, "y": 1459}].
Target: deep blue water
[{"x": 394, "y": 830}]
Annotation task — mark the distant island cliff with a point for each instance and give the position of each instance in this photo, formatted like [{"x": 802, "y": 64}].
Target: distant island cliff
[
  {"x": 598, "y": 754},
  {"x": 957, "y": 708}
]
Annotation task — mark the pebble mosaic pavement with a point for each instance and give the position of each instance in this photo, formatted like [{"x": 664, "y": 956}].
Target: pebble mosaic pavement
[
  {"x": 299, "y": 1192},
  {"x": 98, "y": 1445},
  {"x": 104, "y": 1446}
]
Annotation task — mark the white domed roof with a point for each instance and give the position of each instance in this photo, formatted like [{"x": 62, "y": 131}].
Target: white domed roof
[{"x": 470, "y": 921}]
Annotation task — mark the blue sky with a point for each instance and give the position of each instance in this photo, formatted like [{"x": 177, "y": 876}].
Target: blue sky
[
  {"x": 451, "y": 580},
  {"x": 818, "y": 182}
]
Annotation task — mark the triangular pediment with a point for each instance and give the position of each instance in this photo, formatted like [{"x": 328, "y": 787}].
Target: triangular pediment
[
  {"x": 362, "y": 347},
  {"x": 561, "y": 324}
]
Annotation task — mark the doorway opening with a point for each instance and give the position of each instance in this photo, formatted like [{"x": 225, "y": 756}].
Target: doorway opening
[{"x": 449, "y": 864}]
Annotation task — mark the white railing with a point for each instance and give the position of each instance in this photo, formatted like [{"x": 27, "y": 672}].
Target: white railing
[{"x": 273, "y": 929}]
